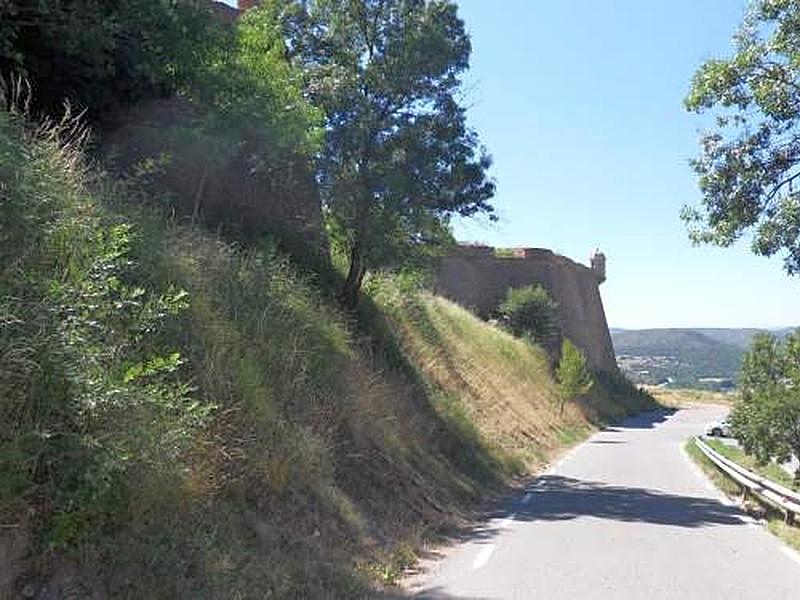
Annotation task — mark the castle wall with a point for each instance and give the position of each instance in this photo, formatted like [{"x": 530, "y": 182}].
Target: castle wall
[{"x": 477, "y": 279}]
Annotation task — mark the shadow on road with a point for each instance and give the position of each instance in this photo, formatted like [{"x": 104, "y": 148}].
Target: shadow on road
[
  {"x": 558, "y": 498},
  {"x": 646, "y": 420}
]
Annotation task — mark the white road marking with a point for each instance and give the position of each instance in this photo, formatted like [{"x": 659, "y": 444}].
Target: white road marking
[
  {"x": 486, "y": 552},
  {"x": 483, "y": 556}
]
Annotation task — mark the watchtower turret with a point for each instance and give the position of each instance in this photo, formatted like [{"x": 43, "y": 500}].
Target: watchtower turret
[{"x": 598, "y": 264}]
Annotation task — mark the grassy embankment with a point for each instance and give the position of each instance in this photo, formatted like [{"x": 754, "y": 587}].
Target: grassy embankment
[
  {"x": 182, "y": 417},
  {"x": 774, "y": 522}
]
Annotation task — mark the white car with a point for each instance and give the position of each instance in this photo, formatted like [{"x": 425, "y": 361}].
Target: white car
[{"x": 719, "y": 429}]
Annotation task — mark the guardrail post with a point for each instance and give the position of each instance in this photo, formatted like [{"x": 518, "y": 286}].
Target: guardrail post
[{"x": 789, "y": 517}]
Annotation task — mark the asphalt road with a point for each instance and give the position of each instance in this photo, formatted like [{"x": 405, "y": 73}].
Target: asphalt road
[{"x": 626, "y": 515}]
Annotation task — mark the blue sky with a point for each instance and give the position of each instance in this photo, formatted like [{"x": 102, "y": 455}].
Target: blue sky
[{"x": 580, "y": 104}]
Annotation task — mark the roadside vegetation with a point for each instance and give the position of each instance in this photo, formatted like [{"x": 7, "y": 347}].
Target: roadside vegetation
[
  {"x": 191, "y": 405},
  {"x": 770, "y": 470},
  {"x": 723, "y": 482},
  {"x": 766, "y": 420},
  {"x": 180, "y": 411},
  {"x": 775, "y": 522}
]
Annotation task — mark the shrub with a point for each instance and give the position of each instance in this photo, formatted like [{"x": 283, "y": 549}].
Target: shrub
[
  {"x": 92, "y": 393},
  {"x": 100, "y": 54},
  {"x": 529, "y": 311}
]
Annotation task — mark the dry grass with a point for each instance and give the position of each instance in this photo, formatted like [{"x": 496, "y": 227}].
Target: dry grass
[
  {"x": 678, "y": 398},
  {"x": 790, "y": 534},
  {"x": 501, "y": 384}
]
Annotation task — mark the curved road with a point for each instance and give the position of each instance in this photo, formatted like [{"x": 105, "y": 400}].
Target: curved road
[{"x": 626, "y": 515}]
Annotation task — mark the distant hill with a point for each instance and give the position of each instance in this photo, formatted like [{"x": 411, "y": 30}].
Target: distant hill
[{"x": 702, "y": 357}]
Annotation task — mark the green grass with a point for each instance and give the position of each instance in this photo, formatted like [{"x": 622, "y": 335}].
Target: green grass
[
  {"x": 789, "y": 534},
  {"x": 723, "y": 482},
  {"x": 770, "y": 470}
]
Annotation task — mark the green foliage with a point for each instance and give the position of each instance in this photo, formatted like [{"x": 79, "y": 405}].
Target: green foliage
[
  {"x": 572, "y": 374},
  {"x": 93, "y": 397},
  {"x": 530, "y": 311},
  {"x": 748, "y": 164},
  {"x": 766, "y": 420},
  {"x": 251, "y": 85},
  {"x": 398, "y": 159},
  {"x": 99, "y": 54}
]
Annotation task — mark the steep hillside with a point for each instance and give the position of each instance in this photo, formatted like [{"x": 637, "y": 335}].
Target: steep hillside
[
  {"x": 682, "y": 356},
  {"x": 186, "y": 418}
]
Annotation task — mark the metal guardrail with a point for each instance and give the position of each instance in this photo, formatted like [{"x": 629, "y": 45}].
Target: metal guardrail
[{"x": 774, "y": 494}]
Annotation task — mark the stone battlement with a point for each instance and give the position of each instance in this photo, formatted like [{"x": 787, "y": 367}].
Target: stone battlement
[{"x": 479, "y": 277}]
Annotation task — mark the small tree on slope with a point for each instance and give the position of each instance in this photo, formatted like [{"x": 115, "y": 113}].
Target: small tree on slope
[{"x": 572, "y": 374}]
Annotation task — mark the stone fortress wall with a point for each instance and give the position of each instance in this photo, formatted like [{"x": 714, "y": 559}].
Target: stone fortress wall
[{"x": 478, "y": 278}]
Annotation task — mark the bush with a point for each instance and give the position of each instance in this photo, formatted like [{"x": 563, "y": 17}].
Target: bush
[
  {"x": 92, "y": 393},
  {"x": 529, "y": 311}
]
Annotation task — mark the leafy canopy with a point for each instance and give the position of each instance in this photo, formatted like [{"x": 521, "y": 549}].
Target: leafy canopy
[
  {"x": 750, "y": 162},
  {"x": 248, "y": 81},
  {"x": 398, "y": 159},
  {"x": 767, "y": 418},
  {"x": 103, "y": 55},
  {"x": 99, "y": 54}
]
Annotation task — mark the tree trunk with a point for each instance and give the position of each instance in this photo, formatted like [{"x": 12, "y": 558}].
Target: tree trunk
[
  {"x": 355, "y": 276},
  {"x": 198, "y": 195},
  {"x": 358, "y": 264}
]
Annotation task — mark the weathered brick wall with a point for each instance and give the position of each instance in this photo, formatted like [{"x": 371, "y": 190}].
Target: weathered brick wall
[{"x": 476, "y": 278}]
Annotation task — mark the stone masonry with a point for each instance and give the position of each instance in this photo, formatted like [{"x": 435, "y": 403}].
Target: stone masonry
[{"x": 478, "y": 278}]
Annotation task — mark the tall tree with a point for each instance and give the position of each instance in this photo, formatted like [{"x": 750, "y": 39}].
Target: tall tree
[
  {"x": 766, "y": 420},
  {"x": 398, "y": 159},
  {"x": 749, "y": 164}
]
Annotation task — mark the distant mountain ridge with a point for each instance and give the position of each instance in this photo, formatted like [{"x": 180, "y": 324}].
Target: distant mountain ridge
[{"x": 684, "y": 357}]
